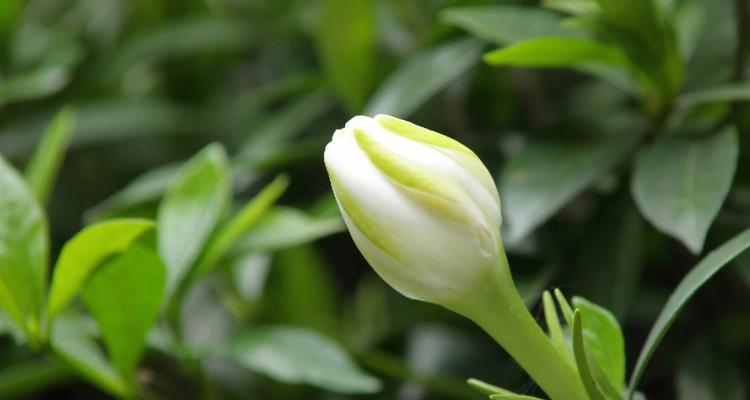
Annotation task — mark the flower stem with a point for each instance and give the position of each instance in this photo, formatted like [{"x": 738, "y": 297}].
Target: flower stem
[{"x": 497, "y": 308}]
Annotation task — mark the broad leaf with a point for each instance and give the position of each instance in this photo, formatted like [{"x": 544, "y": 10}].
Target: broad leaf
[
  {"x": 604, "y": 340},
  {"x": 82, "y": 254},
  {"x": 24, "y": 250},
  {"x": 73, "y": 341},
  {"x": 124, "y": 296},
  {"x": 420, "y": 77},
  {"x": 693, "y": 281},
  {"x": 42, "y": 170},
  {"x": 346, "y": 44},
  {"x": 299, "y": 356},
  {"x": 505, "y": 24},
  {"x": 543, "y": 177},
  {"x": 680, "y": 185},
  {"x": 190, "y": 210}
]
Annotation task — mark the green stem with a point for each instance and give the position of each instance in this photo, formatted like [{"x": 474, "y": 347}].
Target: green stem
[{"x": 497, "y": 308}]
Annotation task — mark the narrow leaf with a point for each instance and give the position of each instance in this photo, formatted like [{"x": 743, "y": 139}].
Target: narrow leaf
[
  {"x": 42, "y": 170},
  {"x": 554, "y": 328},
  {"x": 716, "y": 94},
  {"x": 512, "y": 397},
  {"x": 299, "y": 356},
  {"x": 680, "y": 185},
  {"x": 190, "y": 210},
  {"x": 693, "y": 281},
  {"x": 589, "y": 383},
  {"x": 487, "y": 388},
  {"x": 124, "y": 296},
  {"x": 423, "y": 75},
  {"x": 604, "y": 340},
  {"x": 555, "y": 52},
  {"x": 82, "y": 254}
]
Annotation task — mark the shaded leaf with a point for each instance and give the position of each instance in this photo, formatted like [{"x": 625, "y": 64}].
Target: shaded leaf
[
  {"x": 680, "y": 185},
  {"x": 82, "y": 254},
  {"x": 346, "y": 44},
  {"x": 543, "y": 177},
  {"x": 716, "y": 94},
  {"x": 27, "y": 377},
  {"x": 299, "y": 356},
  {"x": 190, "y": 210},
  {"x": 124, "y": 296},
  {"x": 506, "y": 23},
  {"x": 423, "y": 75},
  {"x": 693, "y": 281}
]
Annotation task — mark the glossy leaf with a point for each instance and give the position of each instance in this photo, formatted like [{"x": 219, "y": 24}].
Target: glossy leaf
[
  {"x": 124, "y": 296},
  {"x": 190, "y": 210},
  {"x": 693, "y": 281},
  {"x": 24, "y": 250},
  {"x": 555, "y": 52},
  {"x": 420, "y": 77},
  {"x": 543, "y": 177},
  {"x": 346, "y": 43},
  {"x": 680, "y": 185},
  {"x": 505, "y": 23},
  {"x": 604, "y": 340},
  {"x": 42, "y": 170},
  {"x": 299, "y": 356},
  {"x": 82, "y": 254},
  {"x": 73, "y": 341}
]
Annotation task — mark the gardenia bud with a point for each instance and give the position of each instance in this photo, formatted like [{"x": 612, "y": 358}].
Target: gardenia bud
[{"x": 421, "y": 207}]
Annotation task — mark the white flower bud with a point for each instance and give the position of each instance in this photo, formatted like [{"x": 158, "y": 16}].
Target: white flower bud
[{"x": 421, "y": 207}]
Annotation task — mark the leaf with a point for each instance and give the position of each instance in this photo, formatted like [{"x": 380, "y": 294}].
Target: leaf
[
  {"x": 579, "y": 350},
  {"x": 72, "y": 340},
  {"x": 227, "y": 235},
  {"x": 124, "y": 296},
  {"x": 543, "y": 177},
  {"x": 30, "y": 376},
  {"x": 703, "y": 373},
  {"x": 82, "y": 254},
  {"x": 679, "y": 185},
  {"x": 24, "y": 252},
  {"x": 346, "y": 46},
  {"x": 423, "y": 75},
  {"x": 716, "y": 94},
  {"x": 487, "y": 388},
  {"x": 299, "y": 356},
  {"x": 512, "y": 397},
  {"x": 282, "y": 227},
  {"x": 604, "y": 340},
  {"x": 190, "y": 210},
  {"x": 505, "y": 24},
  {"x": 555, "y": 52},
  {"x": 553, "y": 327},
  {"x": 693, "y": 281},
  {"x": 42, "y": 170}
]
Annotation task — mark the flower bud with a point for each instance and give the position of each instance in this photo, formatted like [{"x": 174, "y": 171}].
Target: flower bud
[{"x": 421, "y": 207}]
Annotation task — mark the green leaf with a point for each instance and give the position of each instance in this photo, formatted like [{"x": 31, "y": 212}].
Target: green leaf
[
  {"x": 582, "y": 361},
  {"x": 82, "y": 254},
  {"x": 423, "y": 75},
  {"x": 553, "y": 326},
  {"x": 42, "y": 170},
  {"x": 543, "y": 177},
  {"x": 693, "y": 281},
  {"x": 604, "y": 340},
  {"x": 505, "y": 24},
  {"x": 124, "y": 296},
  {"x": 282, "y": 227},
  {"x": 73, "y": 341},
  {"x": 190, "y": 210},
  {"x": 512, "y": 397},
  {"x": 555, "y": 52},
  {"x": 346, "y": 45},
  {"x": 716, "y": 94},
  {"x": 227, "y": 235},
  {"x": 488, "y": 388},
  {"x": 299, "y": 356},
  {"x": 31, "y": 376},
  {"x": 24, "y": 251},
  {"x": 680, "y": 185}
]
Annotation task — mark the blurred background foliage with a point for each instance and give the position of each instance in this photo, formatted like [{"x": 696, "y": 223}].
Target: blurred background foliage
[{"x": 619, "y": 148}]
